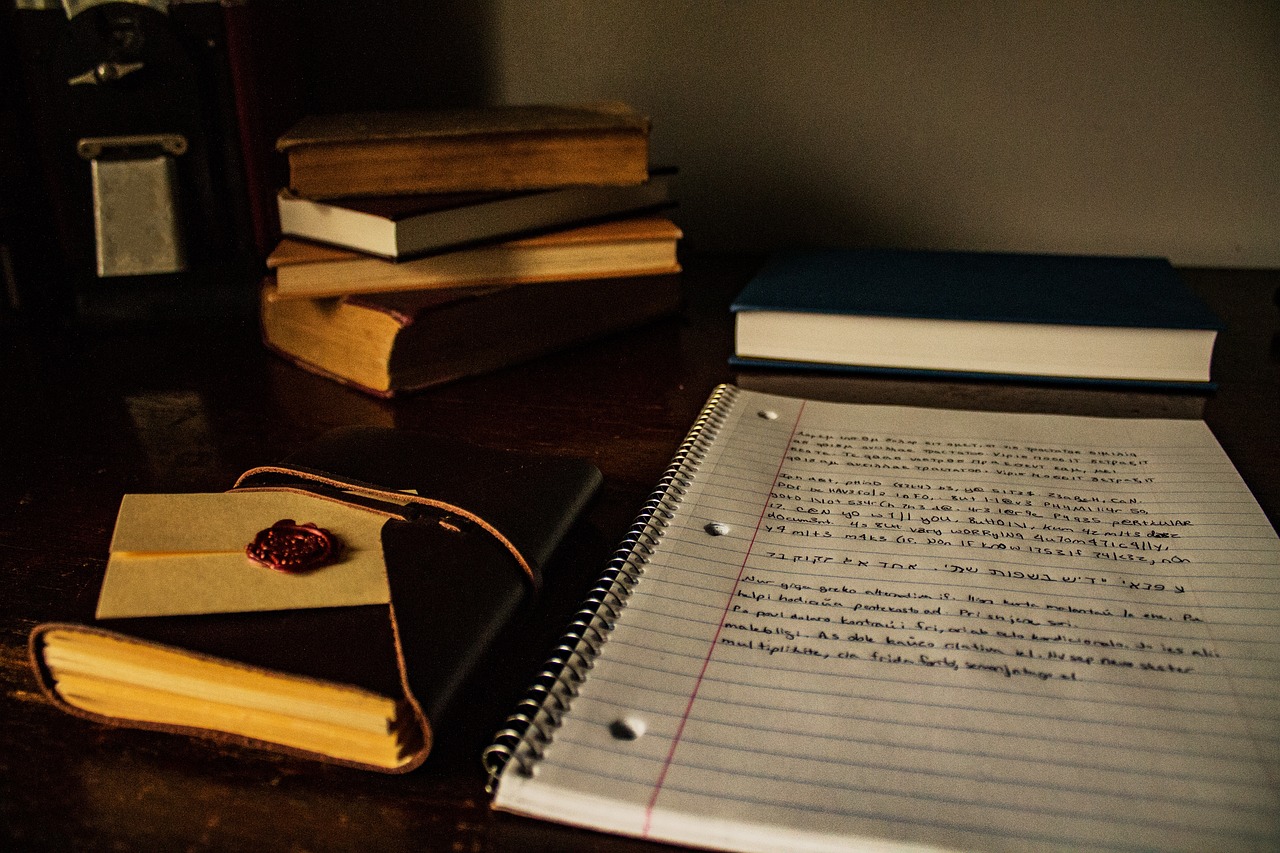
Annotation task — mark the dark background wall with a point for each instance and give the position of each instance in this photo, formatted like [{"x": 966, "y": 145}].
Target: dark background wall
[{"x": 1136, "y": 127}]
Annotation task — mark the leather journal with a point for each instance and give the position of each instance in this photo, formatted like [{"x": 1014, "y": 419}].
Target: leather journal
[{"x": 329, "y": 606}]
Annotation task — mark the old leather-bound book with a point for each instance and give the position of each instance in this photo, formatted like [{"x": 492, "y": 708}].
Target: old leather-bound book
[
  {"x": 637, "y": 246},
  {"x": 464, "y": 150},
  {"x": 391, "y": 343},
  {"x": 211, "y": 622}
]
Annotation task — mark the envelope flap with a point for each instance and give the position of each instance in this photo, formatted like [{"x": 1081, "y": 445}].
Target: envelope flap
[{"x": 186, "y": 554}]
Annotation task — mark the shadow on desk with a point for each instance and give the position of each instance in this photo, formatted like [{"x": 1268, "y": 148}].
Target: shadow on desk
[
  {"x": 1096, "y": 401},
  {"x": 145, "y": 804}
]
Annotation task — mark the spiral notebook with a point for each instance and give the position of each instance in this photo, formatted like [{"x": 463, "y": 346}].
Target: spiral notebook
[{"x": 848, "y": 627}]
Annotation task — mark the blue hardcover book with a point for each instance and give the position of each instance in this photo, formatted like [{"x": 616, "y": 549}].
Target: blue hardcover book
[{"x": 976, "y": 314}]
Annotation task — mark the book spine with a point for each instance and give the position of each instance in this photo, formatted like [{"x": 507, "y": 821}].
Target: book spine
[{"x": 528, "y": 730}]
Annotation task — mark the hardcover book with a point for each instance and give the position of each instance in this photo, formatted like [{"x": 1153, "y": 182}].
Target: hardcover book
[
  {"x": 401, "y": 227},
  {"x": 485, "y": 148},
  {"x": 626, "y": 247},
  {"x": 391, "y": 343},
  {"x": 328, "y": 607},
  {"x": 1057, "y": 317}
]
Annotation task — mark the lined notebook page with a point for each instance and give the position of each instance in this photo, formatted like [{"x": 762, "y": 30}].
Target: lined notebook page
[{"x": 921, "y": 629}]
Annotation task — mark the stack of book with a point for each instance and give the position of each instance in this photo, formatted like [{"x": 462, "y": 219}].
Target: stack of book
[{"x": 420, "y": 247}]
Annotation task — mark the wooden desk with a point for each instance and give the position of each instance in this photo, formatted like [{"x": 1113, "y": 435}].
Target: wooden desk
[{"x": 88, "y": 416}]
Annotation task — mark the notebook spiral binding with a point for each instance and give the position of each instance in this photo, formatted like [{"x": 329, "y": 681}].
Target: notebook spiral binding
[{"x": 528, "y": 730}]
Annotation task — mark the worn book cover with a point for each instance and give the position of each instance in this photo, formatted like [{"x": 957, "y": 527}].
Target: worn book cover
[
  {"x": 626, "y": 247},
  {"x": 484, "y": 148},
  {"x": 387, "y": 344},
  {"x": 329, "y": 606}
]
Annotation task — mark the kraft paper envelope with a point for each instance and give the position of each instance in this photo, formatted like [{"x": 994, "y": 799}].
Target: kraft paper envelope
[{"x": 185, "y": 554}]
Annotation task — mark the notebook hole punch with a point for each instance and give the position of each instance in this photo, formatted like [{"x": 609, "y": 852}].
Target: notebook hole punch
[{"x": 626, "y": 728}]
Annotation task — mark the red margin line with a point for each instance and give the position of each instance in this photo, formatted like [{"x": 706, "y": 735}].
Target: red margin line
[{"x": 715, "y": 640}]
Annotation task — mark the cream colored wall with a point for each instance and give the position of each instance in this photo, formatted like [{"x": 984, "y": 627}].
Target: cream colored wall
[{"x": 1093, "y": 126}]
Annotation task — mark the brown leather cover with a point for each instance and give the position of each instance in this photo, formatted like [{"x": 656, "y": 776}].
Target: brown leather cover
[
  {"x": 454, "y": 584},
  {"x": 509, "y": 147}
]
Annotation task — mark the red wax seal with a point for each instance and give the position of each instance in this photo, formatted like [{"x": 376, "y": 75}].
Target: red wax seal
[{"x": 287, "y": 546}]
